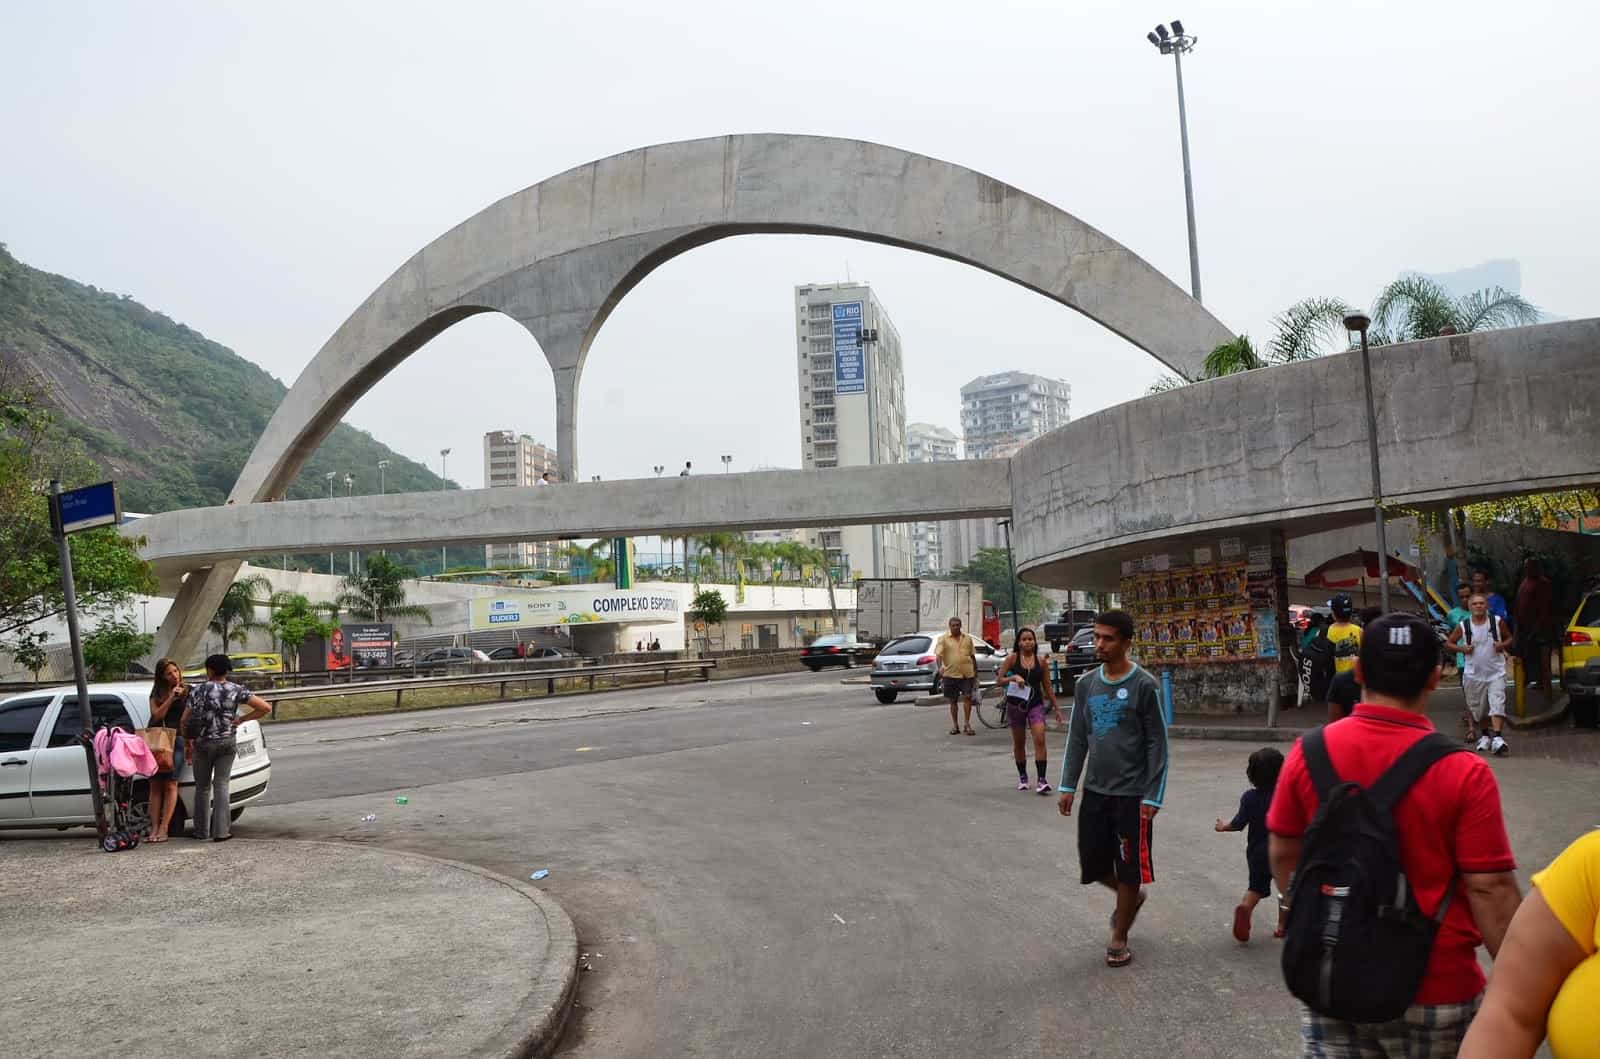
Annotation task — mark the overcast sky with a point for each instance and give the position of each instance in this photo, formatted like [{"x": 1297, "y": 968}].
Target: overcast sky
[{"x": 256, "y": 170}]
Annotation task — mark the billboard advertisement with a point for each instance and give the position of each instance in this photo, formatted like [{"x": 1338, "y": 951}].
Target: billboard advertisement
[
  {"x": 574, "y": 606},
  {"x": 369, "y": 646},
  {"x": 849, "y": 365}
]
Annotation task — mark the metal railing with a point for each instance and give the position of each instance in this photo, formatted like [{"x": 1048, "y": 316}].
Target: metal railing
[{"x": 527, "y": 678}]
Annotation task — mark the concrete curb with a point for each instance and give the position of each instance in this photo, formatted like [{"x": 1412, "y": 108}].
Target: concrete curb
[{"x": 535, "y": 1031}]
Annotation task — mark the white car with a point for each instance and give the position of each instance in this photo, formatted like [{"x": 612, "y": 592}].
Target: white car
[{"x": 44, "y": 775}]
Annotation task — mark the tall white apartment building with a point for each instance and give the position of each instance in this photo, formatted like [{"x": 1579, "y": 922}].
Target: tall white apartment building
[
  {"x": 926, "y": 443},
  {"x": 511, "y": 459},
  {"x": 852, "y": 412},
  {"x": 999, "y": 413}
]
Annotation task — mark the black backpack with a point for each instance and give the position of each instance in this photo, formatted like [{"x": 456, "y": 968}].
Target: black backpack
[
  {"x": 1357, "y": 944},
  {"x": 1317, "y": 664}
]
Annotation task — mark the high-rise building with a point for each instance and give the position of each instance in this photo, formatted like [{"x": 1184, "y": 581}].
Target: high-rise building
[
  {"x": 999, "y": 413},
  {"x": 926, "y": 443},
  {"x": 852, "y": 412},
  {"x": 511, "y": 459}
]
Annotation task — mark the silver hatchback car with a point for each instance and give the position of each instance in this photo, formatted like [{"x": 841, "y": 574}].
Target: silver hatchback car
[{"x": 907, "y": 663}]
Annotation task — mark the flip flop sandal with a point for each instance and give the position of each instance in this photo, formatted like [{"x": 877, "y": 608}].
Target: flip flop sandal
[
  {"x": 971, "y": 732},
  {"x": 1119, "y": 957},
  {"x": 955, "y": 731}
]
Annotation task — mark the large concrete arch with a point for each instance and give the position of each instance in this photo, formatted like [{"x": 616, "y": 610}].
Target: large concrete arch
[{"x": 560, "y": 255}]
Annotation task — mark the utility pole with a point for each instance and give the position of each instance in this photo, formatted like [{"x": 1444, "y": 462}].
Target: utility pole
[{"x": 1358, "y": 322}]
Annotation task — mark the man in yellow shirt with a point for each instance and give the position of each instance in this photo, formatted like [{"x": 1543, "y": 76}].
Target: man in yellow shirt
[
  {"x": 1547, "y": 973},
  {"x": 958, "y": 667},
  {"x": 1343, "y": 634}
]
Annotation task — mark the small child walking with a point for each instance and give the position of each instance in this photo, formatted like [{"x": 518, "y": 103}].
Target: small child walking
[{"x": 1262, "y": 771}]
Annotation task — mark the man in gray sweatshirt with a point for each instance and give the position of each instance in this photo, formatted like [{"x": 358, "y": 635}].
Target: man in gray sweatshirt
[{"x": 1117, "y": 725}]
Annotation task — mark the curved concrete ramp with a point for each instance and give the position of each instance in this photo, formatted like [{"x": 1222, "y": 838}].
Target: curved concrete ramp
[{"x": 1461, "y": 418}]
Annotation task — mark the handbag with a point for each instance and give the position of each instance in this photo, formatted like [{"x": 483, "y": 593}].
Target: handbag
[{"x": 162, "y": 744}]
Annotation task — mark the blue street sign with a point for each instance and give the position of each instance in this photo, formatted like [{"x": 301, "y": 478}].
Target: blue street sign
[
  {"x": 849, "y": 366},
  {"x": 87, "y": 508}
]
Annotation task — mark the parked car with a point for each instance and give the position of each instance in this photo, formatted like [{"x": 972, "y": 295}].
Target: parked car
[
  {"x": 835, "y": 649},
  {"x": 906, "y": 663},
  {"x": 1580, "y": 662},
  {"x": 534, "y": 652},
  {"x": 450, "y": 656},
  {"x": 1078, "y": 657},
  {"x": 1300, "y": 615},
  {"x": 243, "y": 665},
  {"x": 44, "y": 777}
]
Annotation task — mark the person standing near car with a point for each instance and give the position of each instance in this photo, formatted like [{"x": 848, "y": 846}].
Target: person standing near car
[
  {"x": 168, "y": 696},
  {"x": 210, "y": 718},
  {"x": 1028, "y": 688},
  {"x": 957, "y": 659}
]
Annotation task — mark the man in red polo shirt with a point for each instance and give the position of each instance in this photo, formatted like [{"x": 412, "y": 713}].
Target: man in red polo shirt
[{"x": 1450, "y": 832}]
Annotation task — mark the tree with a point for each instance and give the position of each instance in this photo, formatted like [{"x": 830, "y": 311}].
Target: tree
[
  {"x": 235, "y": 618},
  {"x": 1301, "y": 332},
  {"x": 294, "y": 621},
  {"x": 992, "y": 567},
  {"x": 1414, "y": 307},
  {"x": 379, "y": 593},
  {"x": 709, "y": 607},
  {"x": 29, "y": 651},
  {"x": 594, "y": 557},
  {"x": 33, "y": 449},
  {"x": 113, "y": 645}
]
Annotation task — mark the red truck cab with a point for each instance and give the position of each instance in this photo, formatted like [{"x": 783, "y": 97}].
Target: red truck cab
[{"x": 991, "y": 625}]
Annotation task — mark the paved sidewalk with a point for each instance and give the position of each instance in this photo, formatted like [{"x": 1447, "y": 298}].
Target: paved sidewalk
[
  {"x": 1557, "y": 741},
  {"x": 272, "y": 947}
]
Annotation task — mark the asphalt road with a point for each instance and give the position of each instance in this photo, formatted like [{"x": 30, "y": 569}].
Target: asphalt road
[{"x": 781, "y": 866}]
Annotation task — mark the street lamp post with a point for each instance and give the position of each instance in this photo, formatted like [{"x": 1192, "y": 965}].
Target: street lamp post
[
  {"x": 349, "y": 491},
  {"x": 383, "y": 465},
  {"x": 1011, "y": 566},
  {"x": 658, "y": 469},
  {"x": 330, "y": 476},
  {"x": 726, "y": 460},
  {"x": 1175, "y": 44},
  {"x": 444, "y": 483},
  {"x": 1358, "y": 323}
]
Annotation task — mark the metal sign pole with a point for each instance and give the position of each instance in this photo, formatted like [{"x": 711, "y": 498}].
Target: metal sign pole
[{"x": 70, "y": 596}]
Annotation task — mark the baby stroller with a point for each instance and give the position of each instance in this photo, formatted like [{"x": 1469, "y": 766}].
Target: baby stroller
[{"x": 124, "y": 763}]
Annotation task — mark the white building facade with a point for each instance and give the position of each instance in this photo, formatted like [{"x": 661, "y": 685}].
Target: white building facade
[
  {"x": 926, "y": 443},
  {"x": 851, "y": 386},
  {"x": 1000, "y": 413},
  {"x": 514, "y": 460}
]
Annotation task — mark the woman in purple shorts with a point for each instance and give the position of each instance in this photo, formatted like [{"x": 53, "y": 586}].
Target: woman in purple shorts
[{"x": 1028, "y": 689}]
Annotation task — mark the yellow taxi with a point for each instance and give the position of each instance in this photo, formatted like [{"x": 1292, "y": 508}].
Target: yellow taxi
[
  {"x": 242, "y": 664},
  {"x": 1580, "y": 662}
]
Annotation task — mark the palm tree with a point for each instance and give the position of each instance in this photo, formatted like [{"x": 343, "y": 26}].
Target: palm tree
[
  {"x": 379, "y": 593},
  {"x": 236, "y": 614},
  {"x": 1410, "y": 308},
  {"x": 595, "y": 557},
  {"x": 1414, "y": 307}
]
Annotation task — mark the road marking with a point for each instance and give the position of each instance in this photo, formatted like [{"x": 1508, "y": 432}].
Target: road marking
[{"x": 583, "y": 749}]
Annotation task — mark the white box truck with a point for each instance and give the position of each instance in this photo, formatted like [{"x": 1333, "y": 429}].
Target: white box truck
[{"x": 887, "y": 607}]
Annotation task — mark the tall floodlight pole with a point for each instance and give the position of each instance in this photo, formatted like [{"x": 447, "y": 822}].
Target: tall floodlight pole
[
  {"x": 1175, "y": 44},
  {"x": 444, "y": 483},
  {"x": 1011, "y": 567},
  {"x": 1357, "y": 323},
  {"x": 349, "y": 491}
]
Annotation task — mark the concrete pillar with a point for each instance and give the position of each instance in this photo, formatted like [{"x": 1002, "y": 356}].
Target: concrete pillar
[
  {"x": 567, "y": 421},
  {"x": 192, "y": 608}
]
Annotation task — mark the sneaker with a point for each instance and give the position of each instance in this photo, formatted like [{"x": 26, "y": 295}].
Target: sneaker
[
  {"x": 1044, "y": 787},
  {"x": 1483, "y": 744},
  {"x": 1022, "y": 785},
  {"x": 1500, "y": 748}
]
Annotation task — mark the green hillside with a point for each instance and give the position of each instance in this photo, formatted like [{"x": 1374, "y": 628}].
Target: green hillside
[{"x": 169, "y": 413}]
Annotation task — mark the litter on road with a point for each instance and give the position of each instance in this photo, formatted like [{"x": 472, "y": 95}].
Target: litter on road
[
  {"x": 840, "y": 918},
  {"x": 542, "y": 873},
  {"x": 402, "y": 800},
  {"x": 369, "y": 818}
]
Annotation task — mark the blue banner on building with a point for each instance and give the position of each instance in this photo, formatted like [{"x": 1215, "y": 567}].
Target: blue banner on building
[{"x": 849, "y": 365}]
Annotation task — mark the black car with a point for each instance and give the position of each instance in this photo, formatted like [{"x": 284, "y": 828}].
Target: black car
[
  {"x": 532, "y": 652},
  {"x": 835, "y": 649},
  {"x": 1079, "y": 657}
]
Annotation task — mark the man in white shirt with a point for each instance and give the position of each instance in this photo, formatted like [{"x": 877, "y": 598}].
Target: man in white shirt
[{"x": 1483, "y": 639}]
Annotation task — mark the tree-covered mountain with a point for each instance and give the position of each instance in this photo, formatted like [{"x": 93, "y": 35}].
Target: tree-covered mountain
[{"x": 166, "y": 411}]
